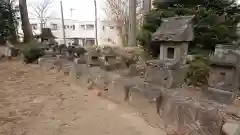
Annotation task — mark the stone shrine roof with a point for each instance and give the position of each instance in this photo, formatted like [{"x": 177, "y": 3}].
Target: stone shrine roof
[
  {"x": 46, "y": 34},
  {"x": 223, "y": 46},
  {"x": 227, "y": 59},
  {"x": 175, "y": 29}
]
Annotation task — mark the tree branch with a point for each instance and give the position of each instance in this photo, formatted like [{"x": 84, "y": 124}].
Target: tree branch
[
  {"x": 40, "y": 8},
  {"x": 116, "y": 10}
]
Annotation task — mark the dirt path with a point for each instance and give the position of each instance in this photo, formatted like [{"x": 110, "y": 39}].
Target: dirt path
[{"x": 35, "y": 102}]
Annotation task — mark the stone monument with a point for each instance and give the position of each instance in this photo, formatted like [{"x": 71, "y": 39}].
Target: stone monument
[
  {"x": 172, "y": 38},
  {"x": 223, "y": 82}
]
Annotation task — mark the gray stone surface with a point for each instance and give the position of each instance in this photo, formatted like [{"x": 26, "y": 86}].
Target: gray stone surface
[
  {"x": 147, "y": 96},
  {"x": 110, "y": 62},
  {"x": 118, "y": 90},
  {"x": 93, "y": 58},
  {"x": 81, "y": 60},
  {"x": 179, "y": 76},
  {"x": 100, "y": 81},
  {"x": 224, "y": 73},
  {"x": 218, "y": 95},
  {"x": 66, "y": 66},
  {"x": 46, "y": 63},
  {"x": 158, "y": 76},
  {"x": 184, "y": 116},
  {"x": 86, "y": 75},
  {"x": 143, "y": 97},
  {"x": 168, "y": 78},
  {"x": 175, "y": 29},
  {"x": 132, "y": 71},
  {"x": 9, "y": 51},
  {"x": 231, "y": 128},
  {"x": 76, "y": 71}
]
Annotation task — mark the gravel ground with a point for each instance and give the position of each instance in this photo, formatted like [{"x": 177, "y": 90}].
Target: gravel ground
[{"x": 36, "y": 102}]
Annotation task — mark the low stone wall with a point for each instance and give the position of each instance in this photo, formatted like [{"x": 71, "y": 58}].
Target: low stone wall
[
  {"x": 221, "y": 96},
  {"x": 4, "y": 50},
  {"x": 187, "y": 116},
  {"x": 160, "y": 107}
]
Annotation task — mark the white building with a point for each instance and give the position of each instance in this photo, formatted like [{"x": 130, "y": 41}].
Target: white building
[
  {"x": 108, "y": 34},
  {"x": 78, "y": 32}
]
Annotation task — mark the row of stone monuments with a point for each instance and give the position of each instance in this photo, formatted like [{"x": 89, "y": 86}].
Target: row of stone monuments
[
  {"x": 152, "y": 87},
  {"x": 152, "y": 90}
]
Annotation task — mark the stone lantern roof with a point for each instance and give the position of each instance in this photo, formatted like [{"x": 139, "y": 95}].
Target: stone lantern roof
[{"x": 177, "y": 29}]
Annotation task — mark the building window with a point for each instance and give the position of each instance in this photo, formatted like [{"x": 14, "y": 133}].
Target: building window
[
  {"x": 222, "y": 77},
  {"x": 111, "y": 27},
  {"x": 90, "y": 27},
  {"x": 103, "y": 28},
  {"x": 54, "y": 26},
  {"x": 170, "y": 53},
  {"x": 82, "y": 27},
  {"x": 109, "y": 40},
  {"x": 90, "y": 41},
  {"x": 43, "y": 24},
  {"x": 222, "y": 73},
  {"x": 67, "y": 26},
  {"x": 73, "y": 27},
  {"x": 34, "y": 26}
]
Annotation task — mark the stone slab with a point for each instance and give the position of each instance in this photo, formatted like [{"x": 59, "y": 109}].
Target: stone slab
[
  {"x": 86, "y": 76},
  {"x": 66, "y": 66},
  {"x": 143, "y": 99},
  {"x": 46, "y": 63},
  {"x": 185, "y": 116},
  {"x": 231, "y": 128},
  {"x": 76, "y": 71},
  {"x": 157, "y": 76},
  {"x": 220, "y": 96},
  {"x": 118, "y": 90}
]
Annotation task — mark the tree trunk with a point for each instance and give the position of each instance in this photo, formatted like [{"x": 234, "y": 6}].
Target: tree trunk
[
  {"x": 96, "y": 24},
  {"x": 41, "y": 21},
  {"x": 26, "y": 27},
  {"x": 13, "y": 37},
  {"x": 123, "y": 33},
  {"x": 132, "y": 37}
]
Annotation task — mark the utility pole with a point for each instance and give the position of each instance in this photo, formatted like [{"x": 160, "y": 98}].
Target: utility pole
[
  {"x": 71, "y": 11},
  {"x": 96, "y": 23},
  {"x": 63, "y": 28},
  {"x": 132, "y": 36}
]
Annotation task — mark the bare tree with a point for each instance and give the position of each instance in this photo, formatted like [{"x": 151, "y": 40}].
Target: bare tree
[
  {"x": 41, "y": 9},
  {"x": 96, "y": 24},
  {"x": 117, "y": 12},
  {"x": 26, "y": 27}
]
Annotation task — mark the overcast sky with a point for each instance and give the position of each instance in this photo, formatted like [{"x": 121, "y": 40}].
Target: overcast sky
[{"x": 83, "y": 10}]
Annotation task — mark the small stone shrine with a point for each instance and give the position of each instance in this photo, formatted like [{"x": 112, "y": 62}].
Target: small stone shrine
[
  {"x": 173, "y": 38},
  {"x": 93, "y": 58},
  {"x": 110, "y": 60},
  {"x": 224, "y": 75}
]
